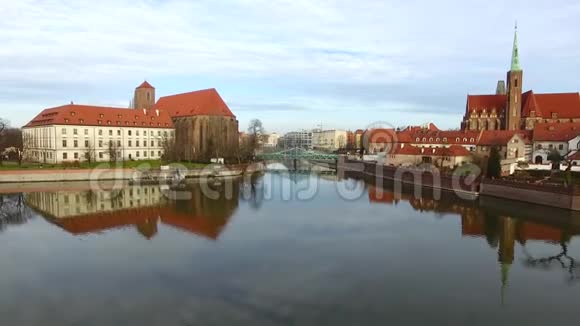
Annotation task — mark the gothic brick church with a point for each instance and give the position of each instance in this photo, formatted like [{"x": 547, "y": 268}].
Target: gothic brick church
[
  {"x": 510, "y": 109},
  {"x": 204, "y": 125}
]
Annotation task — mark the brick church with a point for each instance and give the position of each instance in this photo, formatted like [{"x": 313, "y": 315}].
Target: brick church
[
  {"x": 511, "y": 109},
  {"x": 204, "y": 124}
]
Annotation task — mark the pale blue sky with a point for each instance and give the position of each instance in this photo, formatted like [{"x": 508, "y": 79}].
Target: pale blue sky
[{"x": 291, "y": 63}]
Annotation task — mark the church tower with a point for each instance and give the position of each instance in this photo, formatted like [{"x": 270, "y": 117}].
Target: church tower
[
  {"x": 513, "y": 114},
  {"x": 144, "y": 96}
]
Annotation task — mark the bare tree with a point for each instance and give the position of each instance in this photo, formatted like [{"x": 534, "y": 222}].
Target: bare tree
[
  {"x": 90, "y": 152},
  {"x": 255, "y": 132},
  {"x": 11, "y": 144},
  {"x": 170, "y": 150},
  {"x": 3, "y": 125},
  {"x": 113, "y": 151}
]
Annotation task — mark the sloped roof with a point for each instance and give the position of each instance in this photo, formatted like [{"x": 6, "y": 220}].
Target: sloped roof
[
  {"x": 203, "y": 102},
  {"x": 476, "y": 103},
  {"x": 452, "y": 150},
  {"x": 145, "y": 84},
  {"x": 565, "y": 105},
  {"x": 457, "y": 137},
  {"x": 74, "y": 114},
  {"x": 501, "y": 137},
  {"x": 556, "y": 131},
  {"x": 207, "y": 226}
]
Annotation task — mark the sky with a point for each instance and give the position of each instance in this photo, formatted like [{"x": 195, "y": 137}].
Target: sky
[{"x": 292, "y": 64}]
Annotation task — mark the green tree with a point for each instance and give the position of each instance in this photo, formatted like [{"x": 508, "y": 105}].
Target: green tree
[{"x": 494, "y": 163}]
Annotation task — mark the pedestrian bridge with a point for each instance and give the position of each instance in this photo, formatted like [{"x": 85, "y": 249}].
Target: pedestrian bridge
[{"x": 297, "y": 154}]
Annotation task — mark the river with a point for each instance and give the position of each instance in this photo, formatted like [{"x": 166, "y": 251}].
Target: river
[{"x": 284, "y": 249}]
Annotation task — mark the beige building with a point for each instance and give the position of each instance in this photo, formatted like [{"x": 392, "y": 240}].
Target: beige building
[
  {"x": 78, "y": 132},
  {"x": 67, "y": 204},
  {"x": 271, "y": 140},
  {"x": 407, "y": 155},
  {"x": 332, "y": 139}
]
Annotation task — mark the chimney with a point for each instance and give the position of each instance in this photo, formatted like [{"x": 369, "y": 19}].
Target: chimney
[
  {"x": 145, "y": 111},
  {"x": 157, "y": 112}
]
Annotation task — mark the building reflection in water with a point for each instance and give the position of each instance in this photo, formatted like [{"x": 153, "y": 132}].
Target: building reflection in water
[
  {"x": 141, "y": 207},
  {"x": 501, "y": 229}
]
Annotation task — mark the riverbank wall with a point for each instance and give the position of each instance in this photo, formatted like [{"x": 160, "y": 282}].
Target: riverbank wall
[
  {"x": 61, "y": 175},
  {"x": 409, "y": 176},
  {"x": 554, "y": 196}
]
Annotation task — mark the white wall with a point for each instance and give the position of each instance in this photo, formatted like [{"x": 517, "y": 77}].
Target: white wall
[{"x": 58, "y": 143}]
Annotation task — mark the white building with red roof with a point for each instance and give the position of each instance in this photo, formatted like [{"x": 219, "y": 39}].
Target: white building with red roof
[{"x": 199, "y": 123}]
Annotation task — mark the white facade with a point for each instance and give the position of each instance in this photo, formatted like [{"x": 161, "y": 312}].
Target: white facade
[
  {"x": 67, "y": 204},
  {"x": 299, "y": 139},
  {"x": 271, "y": 140},
  {"x": 329, "y": 139},
  {"x": 69, "y": 143},
  {"x": 543, "y": 148}
]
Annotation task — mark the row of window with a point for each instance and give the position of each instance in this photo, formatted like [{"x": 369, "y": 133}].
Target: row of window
[
  {"x": 551, "y": 146},
  {"x": 76, "y": 155},
  {"x": 129, "y": 143},
  {"x": 129, "y": 132},
  {"x": 457, "y": 140}
]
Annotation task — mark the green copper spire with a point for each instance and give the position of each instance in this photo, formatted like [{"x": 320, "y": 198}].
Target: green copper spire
[{"x": 515, "y": 55}]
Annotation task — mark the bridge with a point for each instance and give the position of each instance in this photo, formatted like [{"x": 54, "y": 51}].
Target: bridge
[{"x": 297, "y": 154}]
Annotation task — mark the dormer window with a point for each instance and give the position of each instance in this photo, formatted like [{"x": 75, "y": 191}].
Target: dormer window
[
  {"x": 101, "y": 115},
  {"x": 100, "y": 122},
  {"x": 424, "y": 139},
  {"x": 82, "y": 120},
  {"x": 444, "y": 139},
  {"x": 430, "y": 140},
  {"x": 472, "y": 140},
  {"x": 136, "y": 117},
  {"x": 554, "y": 115},
  {"x": 72, "y": 113},
  {"x": 119, "y": 116},
  {"x": 438, "y": 139},
  {"x": 417, "y": 139},
  {"x": 109, "y": 122},
  {"x": 464, "y": 140},
  {"x": 457, "y": 139},
  {"x": 66, "y": 120}
]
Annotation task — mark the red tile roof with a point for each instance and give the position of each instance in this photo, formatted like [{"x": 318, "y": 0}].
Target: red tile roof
[
  {"x": 457, "y": 137},
  {"x": 203, "y": 102},
  {"x": 145, "y": 84},
  {"x": 564, "y": 105},
  {"x": 74, "y": 114},
  {"x": 489, "y": 102},
  {"x": 207, "y": 226},
  {"x": 452, "y": 150},
  {"x": 502, "y": 137},
  {"x": 556, "y": 131}
]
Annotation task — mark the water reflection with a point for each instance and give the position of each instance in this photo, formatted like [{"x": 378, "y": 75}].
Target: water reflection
[
  {"x": 139, "y": 207},
  {"x": 13, "y": 211}
]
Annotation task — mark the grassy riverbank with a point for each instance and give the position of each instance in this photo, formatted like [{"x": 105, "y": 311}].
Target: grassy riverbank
[{"x": 7, "y": 166}]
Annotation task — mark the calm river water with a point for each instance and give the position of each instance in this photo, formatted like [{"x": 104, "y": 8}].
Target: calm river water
[{"x": 276, "y": 254}]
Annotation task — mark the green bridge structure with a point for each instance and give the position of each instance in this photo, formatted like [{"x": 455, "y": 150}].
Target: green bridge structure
[{"x": 297, "y": 154}]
